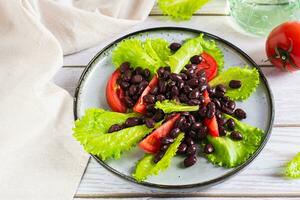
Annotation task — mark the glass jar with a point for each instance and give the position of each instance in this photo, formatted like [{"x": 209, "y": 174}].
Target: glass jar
[{"x": 259, "y": 17}]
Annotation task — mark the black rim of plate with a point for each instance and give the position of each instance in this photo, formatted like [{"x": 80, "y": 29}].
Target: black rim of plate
[{"x": 196, "y": 185}]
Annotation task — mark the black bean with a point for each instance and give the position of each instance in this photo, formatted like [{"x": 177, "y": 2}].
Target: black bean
[
  {"x": 201, "y": 99},
  {"x": 182, "y": 148},
  {"x": 187, "y": 89},
  {"x": 127, "y": 76},
  {"x": 196, "y": 126},
  {"x": 195, "y": 94},
  {"x": 158, "y": 116},
  {"x": 114, "y": 128},
  {"x": 192, "y": 134},
  {"x": 158, "y": 156},
  {"x": 235, "y": 84},
  {"x": 124, "y": 67},
  {"x": 166, "y": 75},
  {"x": 191, "y": 72},
  {"x": 162, "y": 85},
  {"x": 219, "y": 94},
  {"x": 138, "y": 71},
  {"x": 218, "y": 114},
  {"x": 133, "y": 90},
  {"x": 171, "y": 84},
  {"x": 146, "y": 73},
  {"x": 174, "y": 132},
  {"x": 183, "y": 98},
  {"x": 175, "y": 77},
  {"x": 168, "y": 95},
  {"x": 230, "y": 124},
  {"x": 135, "y": 97},
  {"x": 180, "y": 84},
  {"x": 191, "y": 149},
  {"x": 160, "y": 72},
  {"x": 150, "y": 107},
  {"x": 196, "y": 59},
  {"x": 191, "y": 66},
  {"x": 129, "y": 103},
  {"x": 208, "y": 149},
  {"x": 189, "y": 141},
  {"x": 180, "y": 122},
  {"x": 174, "y": 91},
  {"x": 160, "y": 97},
  {"x": 202, "y": 132},
  {"x": 142, "y": 86},
  {"x": 194, "y": 102},
  {"x": 183, "y": 76},
  {"x": 189, "y": 161},
  {"x": 136, "y": 78},
  {"x": 132, "y": 121},
  {"x": 149, "y": 98},
  {"x": 230, "y": 104},
  {"x": 202, "y": 111},
  {"x": 221, "y": 88},
  {"x": 191, "y": 119},
  {"x": 240, "y": 114},
  {"x": 221, "y": 121},
  {"x": 154, "y": 90},
  {"x": 167, "y": 68},
  {"x": 149, "y": 122},
  {"x": 149, "y": 114},
  {"x": 210, "y": 90},
  {"x": 235, "y": 135},
  {"x": 222, "y": 131},
  {"x": 124, "y": 85},
  {"x": 164, "y": 147},
  {"x": 227, "y": 110},
  {"x": 211, "y": 110},
  {"x": 201, "y": 73},
  {"x": 167, "y": 140},
  {"x": 217, "y": 103},
  {"x": 174, "y": 46},
  {"x": 202, "y": 88},
  {"x": 185, "y": 127}
]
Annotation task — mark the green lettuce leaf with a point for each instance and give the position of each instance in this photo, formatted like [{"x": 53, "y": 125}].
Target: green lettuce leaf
[
  {"x": 210, "y": 47},
  {"x": 169, "y": 106},
  {"x": 229, "y": 153},
  {"x": 292, "y": 169},
  {"x": 150, "y": 54},
  {"x": 249, "y": 78},
  {"x": 146, "y": 167},
  {"x": 191, "y": 47},
  {"x": 91, "y": 132},
  {"x": 180, "y": 9}
]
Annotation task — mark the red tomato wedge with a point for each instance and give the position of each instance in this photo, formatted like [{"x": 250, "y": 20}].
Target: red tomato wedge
[
  {"x": 115, "y": 94},
  {"x": 152, "y": 143},
  {"x": 140, "y": 106},
  {"x": 212, "y": 123},
  {"x": 209, "y": 65}
]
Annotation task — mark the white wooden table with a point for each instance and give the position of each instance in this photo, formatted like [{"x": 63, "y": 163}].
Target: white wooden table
[{"x": 263, "y": 178}]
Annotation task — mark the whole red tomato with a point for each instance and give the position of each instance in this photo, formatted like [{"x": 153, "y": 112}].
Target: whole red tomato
[{"x": 283, "y": 46}]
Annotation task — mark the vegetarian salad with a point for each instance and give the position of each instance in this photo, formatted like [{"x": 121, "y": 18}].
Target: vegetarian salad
[{"x": 172, "y": 99}]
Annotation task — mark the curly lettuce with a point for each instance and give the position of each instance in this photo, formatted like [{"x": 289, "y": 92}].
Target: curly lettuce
[
  {"x": 182, "y": 56},
  {"x": 146, "y": 167},
  {"x": 229, "y": 153},
  {"x": 169, "y": 106},
  {"x": 91, "y": 132},
  {"x": 249, "y": 78},
  {"x": 292, "y": 169},
  {"x": 180, "y": 9},
  {"x": 150, "y": 54},
  {"x": 210, "y": 47}
]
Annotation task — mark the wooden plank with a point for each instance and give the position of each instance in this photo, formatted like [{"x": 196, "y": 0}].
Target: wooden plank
[
  {"x": 213, "y": 7},
  {"x": 191, "y": 198},
  {"x": 221, "y": 26},
  {"x": 284, "y": 86},
  {"x": 262, "y": 178}
]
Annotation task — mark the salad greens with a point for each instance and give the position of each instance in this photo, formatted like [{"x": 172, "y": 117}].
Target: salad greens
[
  {"x": 91, "y": 132},
  {"x": 146, "y": 167},
  {"x": 181, "y": 57},
  {"x": 180, "y": 9},
  {"x": 150, "y": 54},
  {"x": 210, "y": 47},
  {"x": 249, "y": 78},
  {"x": 169, "y": 106},
  {"x": 292, "y": 169},
  {"x": 229, "y": 153}
]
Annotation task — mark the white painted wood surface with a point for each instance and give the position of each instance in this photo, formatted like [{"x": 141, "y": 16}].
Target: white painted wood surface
[{"x": 263, "y": 178}]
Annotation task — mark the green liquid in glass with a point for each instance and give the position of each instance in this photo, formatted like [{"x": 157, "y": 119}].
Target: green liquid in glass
[{"x": 259, "y": 17}]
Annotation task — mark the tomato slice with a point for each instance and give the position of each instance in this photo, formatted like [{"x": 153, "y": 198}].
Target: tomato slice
[
  {"x": 115, "y": 94},
  {"x": 209, "y": 65},
  {"x": 152, "y": 143},
  {"x": 140, "y": 106},
  {"x": 212, "y": 123}
]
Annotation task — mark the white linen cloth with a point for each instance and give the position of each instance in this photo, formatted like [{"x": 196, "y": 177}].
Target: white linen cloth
[{"x": 39, "y": 158}]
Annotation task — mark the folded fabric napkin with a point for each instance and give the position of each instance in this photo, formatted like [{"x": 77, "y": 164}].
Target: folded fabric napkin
[{"x": 39, "y": 157}]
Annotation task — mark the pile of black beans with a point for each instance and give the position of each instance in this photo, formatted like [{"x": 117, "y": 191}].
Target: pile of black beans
[
  {"x": 133, "y": 82},
  {"x": 186, "y": 87}
]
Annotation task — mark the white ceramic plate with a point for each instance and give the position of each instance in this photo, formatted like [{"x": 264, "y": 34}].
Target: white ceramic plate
[{"x": 91, "y": 93}]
